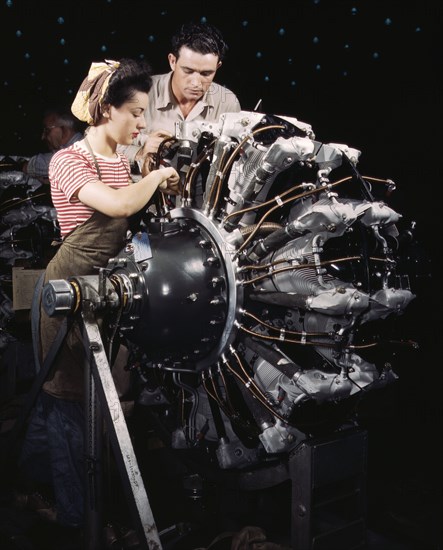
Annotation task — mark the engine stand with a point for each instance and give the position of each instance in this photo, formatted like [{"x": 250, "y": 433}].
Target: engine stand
[
  {"x": 328, "y": 477},
  {"x": 102, "y": 399},
  {"x": 101, "y": 402}
]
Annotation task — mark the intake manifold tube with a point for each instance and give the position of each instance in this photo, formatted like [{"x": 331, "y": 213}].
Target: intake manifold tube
[
  {"x": 238, "y": 235},
  {"x": 275, "y": 240},
  {"x": 272, "y": 356}
]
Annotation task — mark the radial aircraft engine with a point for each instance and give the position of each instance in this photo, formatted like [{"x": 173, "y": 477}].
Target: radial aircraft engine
[{"x": 253, "y": 303}]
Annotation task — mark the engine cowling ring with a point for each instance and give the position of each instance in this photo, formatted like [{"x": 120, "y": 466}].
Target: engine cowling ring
[{"x": 188, "y": 291}]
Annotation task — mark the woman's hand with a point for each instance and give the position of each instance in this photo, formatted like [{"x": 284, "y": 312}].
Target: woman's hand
[
  {"x": 148, "y": 152},
  {"x": 148, "y": 164},
  {"x": 170, "y": 181},
  {"x": 125, "y": 201}
]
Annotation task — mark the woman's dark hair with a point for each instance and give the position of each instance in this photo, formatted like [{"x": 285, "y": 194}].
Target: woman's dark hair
[
  {"x": 131, "y": 77},
  {"x": 201, "y": 38}
]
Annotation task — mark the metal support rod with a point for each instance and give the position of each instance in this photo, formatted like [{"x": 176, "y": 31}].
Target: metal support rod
[
  {"x": 119, "y": 436},
  {"x": 93, "y": 438}
]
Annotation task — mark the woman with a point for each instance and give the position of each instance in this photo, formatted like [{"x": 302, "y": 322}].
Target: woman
[{"x": 93, "y": 194}]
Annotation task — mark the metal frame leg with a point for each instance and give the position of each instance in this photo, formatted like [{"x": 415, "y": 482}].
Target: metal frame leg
[
  {"x": 119, "y": 436},
  {"x": 328, "y": 477},
  {"x": 93, "y": 438}
]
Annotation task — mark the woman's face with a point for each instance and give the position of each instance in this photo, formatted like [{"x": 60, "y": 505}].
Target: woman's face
[{"x": 126, "y": 122}]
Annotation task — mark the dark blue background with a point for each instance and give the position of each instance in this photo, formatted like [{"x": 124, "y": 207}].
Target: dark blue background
[
  {"x": 363, "y": 72},
  {"x": 360, "y": 72}
]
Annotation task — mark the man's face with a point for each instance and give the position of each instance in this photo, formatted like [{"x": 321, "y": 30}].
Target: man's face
[
  {"x": 193, "y": 73},
  {"x": 53, "y": 133}
]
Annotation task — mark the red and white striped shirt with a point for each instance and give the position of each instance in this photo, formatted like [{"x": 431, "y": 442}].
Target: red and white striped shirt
[{"x": 73, "y": 167}]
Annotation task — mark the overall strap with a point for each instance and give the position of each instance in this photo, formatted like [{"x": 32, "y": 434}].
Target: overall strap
[{"x": 89, "y": 148}]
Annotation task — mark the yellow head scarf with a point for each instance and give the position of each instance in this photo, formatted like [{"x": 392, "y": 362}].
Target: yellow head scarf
[{"x": 87, "y": 102}]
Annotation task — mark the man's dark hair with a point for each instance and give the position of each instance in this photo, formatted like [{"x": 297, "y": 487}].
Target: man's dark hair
[
  {"x": 131, "y": 77},
  {"x": 201, "y": 38}
]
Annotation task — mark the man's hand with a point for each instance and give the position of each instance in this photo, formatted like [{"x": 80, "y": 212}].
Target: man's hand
[{"x": 152, "y": 143}]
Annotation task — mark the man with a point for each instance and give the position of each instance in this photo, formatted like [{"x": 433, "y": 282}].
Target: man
[
  {"x": 60, "y": 130},
  {"x": 188, "y": 91}
]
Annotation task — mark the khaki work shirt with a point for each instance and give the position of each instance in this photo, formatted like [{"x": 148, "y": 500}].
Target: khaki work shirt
[{"x": 163, "y": 111}]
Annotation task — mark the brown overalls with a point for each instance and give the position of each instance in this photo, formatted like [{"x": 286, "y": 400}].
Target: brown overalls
[{"x": 90, "y": 245}]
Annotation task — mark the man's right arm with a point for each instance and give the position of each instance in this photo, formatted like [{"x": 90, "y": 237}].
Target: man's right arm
[
  {"x": 145, "y": 144},
  {"x": 133, "y": 151},
  {"x": 38, "y": 165}
]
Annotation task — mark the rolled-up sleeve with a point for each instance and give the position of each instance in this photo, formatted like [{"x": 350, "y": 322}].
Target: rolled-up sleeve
[{"x": 38, "y": 165}]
